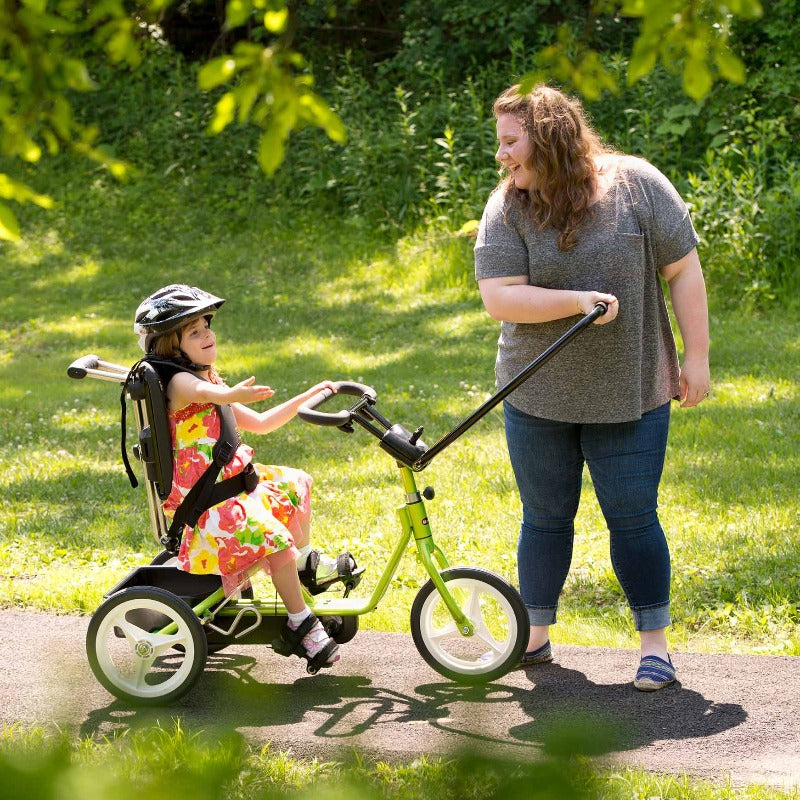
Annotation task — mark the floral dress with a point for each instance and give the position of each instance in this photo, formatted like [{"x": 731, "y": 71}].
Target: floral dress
[{"x": 243, "y": 531}]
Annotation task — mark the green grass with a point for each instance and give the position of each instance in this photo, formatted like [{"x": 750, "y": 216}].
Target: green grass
[
  {"x": 311, "y": 298},
  {"x": 171, "y": 762}
]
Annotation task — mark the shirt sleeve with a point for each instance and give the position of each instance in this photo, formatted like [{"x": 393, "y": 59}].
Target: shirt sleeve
[
  {"x": 500, "y": 250},
  {"x": 671, "y": 232}
]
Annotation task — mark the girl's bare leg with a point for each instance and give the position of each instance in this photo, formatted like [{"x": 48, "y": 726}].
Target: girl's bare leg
[
  {"x": 287, "y": 584},
  {"x": 539, "y": 635}
]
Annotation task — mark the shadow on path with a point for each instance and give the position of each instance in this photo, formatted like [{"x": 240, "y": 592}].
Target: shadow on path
[{"x": 352, "y": 710}]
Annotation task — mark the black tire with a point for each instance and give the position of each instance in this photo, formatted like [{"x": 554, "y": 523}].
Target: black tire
[
  {"x": 498, "y": 616},
  {"x": 340, "y": 629},
  {"x": 134, "y": 662}
]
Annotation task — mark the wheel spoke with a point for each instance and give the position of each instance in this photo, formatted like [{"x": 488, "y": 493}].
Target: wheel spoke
[
  {"x": 163, "y": 642},
  {"x": 133, "y": 633},
  {"x": 142, "y": 668},
  {"x": 446, "y": 632},
  {"x": 473, "y": 609}
]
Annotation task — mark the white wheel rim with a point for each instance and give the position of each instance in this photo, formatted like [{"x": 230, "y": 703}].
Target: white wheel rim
[
  {"x": 493, "y": 639},
  {"x": 140, "y": 663}
]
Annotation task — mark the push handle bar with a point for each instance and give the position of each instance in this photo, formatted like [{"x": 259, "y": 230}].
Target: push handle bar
[
  {"x": 308, "y": 411},
  {"x": 94, "y": 367},
  {"x": 78, "y": 368},
  {"x": 460, "y": 429}
]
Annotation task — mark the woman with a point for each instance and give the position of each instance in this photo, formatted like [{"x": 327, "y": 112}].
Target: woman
[{"x": 573, "y": 223}]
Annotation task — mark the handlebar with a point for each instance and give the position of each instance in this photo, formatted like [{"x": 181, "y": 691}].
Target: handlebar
[
  {"x": 308, "y": 411},
  {"x": 78, "y": 368},
  {"x": 94, "y": 367}
]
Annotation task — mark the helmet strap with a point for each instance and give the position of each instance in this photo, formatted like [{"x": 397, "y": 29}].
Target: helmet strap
[{"x": 185, "y": 361}]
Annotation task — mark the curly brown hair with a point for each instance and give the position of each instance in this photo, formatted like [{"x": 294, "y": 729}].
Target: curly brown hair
[{"x": 563, "y": 150}]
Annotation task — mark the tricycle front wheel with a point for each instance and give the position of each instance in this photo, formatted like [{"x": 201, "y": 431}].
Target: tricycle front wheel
[{"x": 498, "y": 617}]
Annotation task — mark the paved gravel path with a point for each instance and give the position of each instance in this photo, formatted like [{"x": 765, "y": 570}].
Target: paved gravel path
[{"x": 731, "y": 716}]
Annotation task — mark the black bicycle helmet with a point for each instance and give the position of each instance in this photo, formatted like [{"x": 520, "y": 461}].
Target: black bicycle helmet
[{"x": 171, "y": 308}]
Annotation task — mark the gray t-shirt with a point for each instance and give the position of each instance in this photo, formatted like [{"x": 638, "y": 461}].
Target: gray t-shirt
[{"x": 609, "y": 373}]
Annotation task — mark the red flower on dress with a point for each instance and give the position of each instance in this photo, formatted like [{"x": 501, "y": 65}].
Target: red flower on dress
[
  {"x": 235, "y": 557},
  {"x": 190, "y": 464},
  {"x": 213, "y": 425},
  {"x": 232, "y": 516}
]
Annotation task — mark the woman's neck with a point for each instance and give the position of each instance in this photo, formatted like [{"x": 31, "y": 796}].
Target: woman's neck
[{"x": 606, "y": 171}]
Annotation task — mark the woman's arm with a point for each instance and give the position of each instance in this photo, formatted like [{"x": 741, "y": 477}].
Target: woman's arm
[
  {"x": 687, "y": 291},
  {"x": 273, "y": 418},
  {"x": 513, "y": 299}
]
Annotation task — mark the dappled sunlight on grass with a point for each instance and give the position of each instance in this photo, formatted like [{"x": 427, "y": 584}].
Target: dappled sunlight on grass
[{"x": 346, "y": 306}]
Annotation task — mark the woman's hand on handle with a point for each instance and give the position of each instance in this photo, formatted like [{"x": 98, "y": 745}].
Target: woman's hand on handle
[{"x": 586, "y": 301}]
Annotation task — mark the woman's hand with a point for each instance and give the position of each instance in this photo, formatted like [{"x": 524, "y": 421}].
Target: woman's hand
[
  {"x": 248, "y": 391},
  {"x": 586, "y": 301},
  {"x": 694, "y": 381}
]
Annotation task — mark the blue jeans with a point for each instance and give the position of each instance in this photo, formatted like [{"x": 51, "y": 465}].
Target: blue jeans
[{"x": 625, "y": 462}]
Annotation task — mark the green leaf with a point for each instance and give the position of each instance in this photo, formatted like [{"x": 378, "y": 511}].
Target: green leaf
[
  {"x": 730, "y": 66},
  {"x": 470, "y": 226},
  {"x": 271, "y": 149},
  {"x": 9, "y": 227},
  {"x": 643, "y": 59},
  {"x": 237, "y": 12},
  {"x": 697, "y": 78},
  {"x": 77, "y": 75},
  {"x": 223, "y": 113},
  {"x": 747, "y": 9},
  {"x": 276, "y": 21},
  {"x": 215, "y": 72},
  {"x": 321, "y": 115}
]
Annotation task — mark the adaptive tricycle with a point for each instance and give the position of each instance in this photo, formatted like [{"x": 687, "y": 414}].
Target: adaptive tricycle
[{"x": 149, "y": 640}]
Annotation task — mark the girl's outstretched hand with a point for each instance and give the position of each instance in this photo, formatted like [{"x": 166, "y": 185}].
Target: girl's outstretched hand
[
  {"x": 319, "y": 387},
  {"x": 248, "y": 391}
]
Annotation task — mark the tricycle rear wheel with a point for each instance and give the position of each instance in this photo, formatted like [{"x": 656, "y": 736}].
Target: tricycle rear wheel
[{"x": 135, "y": 662}]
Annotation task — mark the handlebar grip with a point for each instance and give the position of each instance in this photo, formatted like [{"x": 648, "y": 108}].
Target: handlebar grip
[
  {"x": 308, "y": 411},
  {"x": 77, "y": 369},
  {"x": 601, "y": 308}
]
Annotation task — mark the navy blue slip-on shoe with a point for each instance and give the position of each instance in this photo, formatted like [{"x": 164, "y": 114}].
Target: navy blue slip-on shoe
[{"x": 654, "y": 673}]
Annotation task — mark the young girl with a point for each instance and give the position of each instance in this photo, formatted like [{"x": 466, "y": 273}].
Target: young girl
[{"x": 266, "y": 528}]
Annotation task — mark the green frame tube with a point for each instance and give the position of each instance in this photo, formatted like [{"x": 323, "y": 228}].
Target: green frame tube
[{"x": 414, "y": 523}]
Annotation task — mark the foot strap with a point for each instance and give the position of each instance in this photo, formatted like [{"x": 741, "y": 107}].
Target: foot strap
[
  {"x": 290, "y": 643},
  {"x": 347, "y": 571}
]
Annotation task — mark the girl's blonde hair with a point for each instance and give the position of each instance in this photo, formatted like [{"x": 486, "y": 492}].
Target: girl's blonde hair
[{"x": 563, "y": 148}]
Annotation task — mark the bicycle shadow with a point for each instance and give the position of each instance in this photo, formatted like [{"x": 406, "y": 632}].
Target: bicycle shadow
[{"x": 354, "y": 711}]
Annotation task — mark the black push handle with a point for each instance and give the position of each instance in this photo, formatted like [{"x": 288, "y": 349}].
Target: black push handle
[
  {"x": 460, "y": 429},
  {"x": 308, "y": 411},
  {"x": 77, "y": 369}
]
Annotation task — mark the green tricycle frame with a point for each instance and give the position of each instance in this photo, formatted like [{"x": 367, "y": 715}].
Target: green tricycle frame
[{"x": 150, "y": 639}]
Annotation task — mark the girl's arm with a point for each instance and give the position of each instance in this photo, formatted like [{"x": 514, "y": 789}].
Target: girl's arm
[
  {"x": 185, "y": 388},
  {"x": 272, "y": 419},
  {"x": 687, "y": 291},
  {"x": 513, "y": 299}
]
